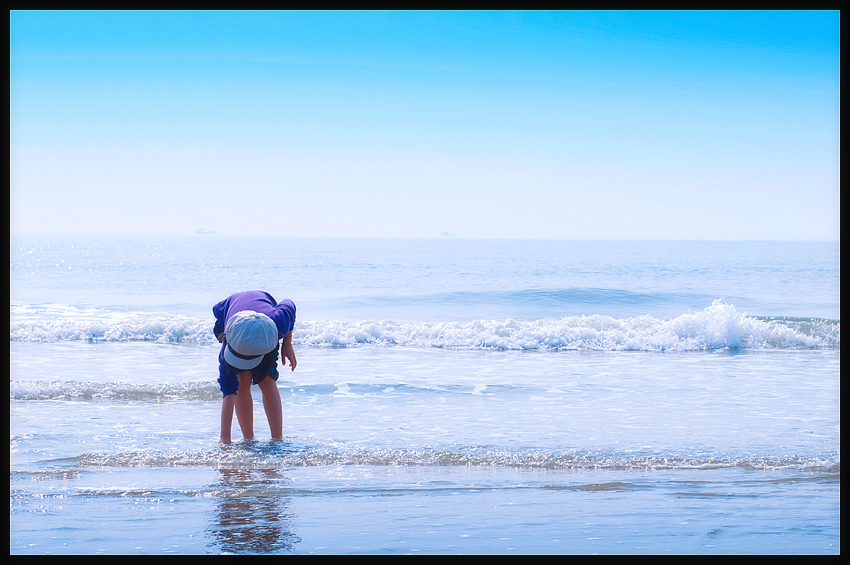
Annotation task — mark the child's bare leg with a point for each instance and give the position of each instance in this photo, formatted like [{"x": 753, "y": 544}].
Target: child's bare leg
[
  {"x": 227, "y": 404},
  {"x": 273, "y": 406},
  {"x": 245, "y": 405}
]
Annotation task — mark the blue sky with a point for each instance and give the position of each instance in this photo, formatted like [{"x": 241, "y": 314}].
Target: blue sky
[{"x": 577, "y": 125}]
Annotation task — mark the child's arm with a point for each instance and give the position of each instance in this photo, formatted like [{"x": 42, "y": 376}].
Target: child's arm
[{"x": 287, "y": 352}]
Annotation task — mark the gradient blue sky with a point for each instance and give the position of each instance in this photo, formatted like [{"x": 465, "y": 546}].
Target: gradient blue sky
[{"x": 579, "y": 125}]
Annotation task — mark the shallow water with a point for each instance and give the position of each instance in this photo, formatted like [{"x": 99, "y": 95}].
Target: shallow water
[
  {"x": 400, "y": 509},
  {"x": 711, "y": 452},
  {"x": 626, "y": 423}
]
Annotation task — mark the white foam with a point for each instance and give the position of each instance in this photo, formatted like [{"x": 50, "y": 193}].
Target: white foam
[
  {"x": 260, "y": 456},
  {"x": 57, "y": 322},
  {"x": 74, "y": 390},
  {"x": 718, "y": 326}
]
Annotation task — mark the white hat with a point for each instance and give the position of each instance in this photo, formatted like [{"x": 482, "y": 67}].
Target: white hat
[{"x": 250, "y": 336}]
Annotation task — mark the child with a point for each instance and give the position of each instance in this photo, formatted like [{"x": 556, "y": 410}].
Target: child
[{"x": 249, "y": 325}]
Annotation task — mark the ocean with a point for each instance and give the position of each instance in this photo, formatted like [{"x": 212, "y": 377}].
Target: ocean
[{"x": 452, "y": 396}]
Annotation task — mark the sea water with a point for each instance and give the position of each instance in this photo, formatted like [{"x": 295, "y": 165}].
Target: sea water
[{"x": 451, "y": 396}]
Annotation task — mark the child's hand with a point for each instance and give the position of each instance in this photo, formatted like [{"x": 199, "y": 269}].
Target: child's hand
[{"x": 287, "y": 352}]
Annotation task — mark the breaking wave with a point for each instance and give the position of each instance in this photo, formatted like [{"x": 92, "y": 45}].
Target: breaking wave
[
  {"x": 76, "y": 390},
  {"x": 719, "y": 326}
]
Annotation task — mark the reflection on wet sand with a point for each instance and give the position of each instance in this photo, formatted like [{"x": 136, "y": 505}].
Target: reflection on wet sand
[{"x": 252, "y": 514}]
